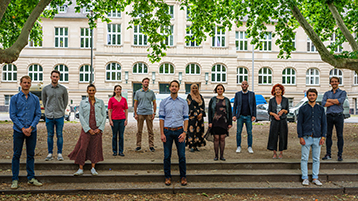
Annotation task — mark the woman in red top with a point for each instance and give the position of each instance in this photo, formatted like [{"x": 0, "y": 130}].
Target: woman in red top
[{"x": 117, "y": 115}]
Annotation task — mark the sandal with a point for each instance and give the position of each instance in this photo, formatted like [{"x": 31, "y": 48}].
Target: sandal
[
  {"x": 280, "y": 156},
  {"x": 274, "y": 156}
]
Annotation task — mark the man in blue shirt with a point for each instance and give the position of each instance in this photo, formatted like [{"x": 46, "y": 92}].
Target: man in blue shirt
[
  {"x": 25, "y": 113},
  {"x": 173, "y": 119},
  {"x": 334, "y": 100},
  {"x": 311, "y": 129}
]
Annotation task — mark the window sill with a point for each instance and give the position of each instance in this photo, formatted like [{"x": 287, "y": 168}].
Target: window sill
[
  {"x": 219, "y": 47},
  {"x": 108, "y": 45}
]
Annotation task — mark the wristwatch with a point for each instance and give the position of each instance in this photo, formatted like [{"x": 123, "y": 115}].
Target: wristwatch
[
  {"x": 33, "y": 128},
  {"x": 185, "y": 132}
]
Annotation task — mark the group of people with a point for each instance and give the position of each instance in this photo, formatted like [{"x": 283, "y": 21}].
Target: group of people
[{"x": 181, "y": 121}]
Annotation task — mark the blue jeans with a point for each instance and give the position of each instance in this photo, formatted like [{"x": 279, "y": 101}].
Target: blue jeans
[
  {"x": 338, "y": 122},
  {"x": 50, "y": 124},
  {"x": 305, "y": 153},
  {"x": 173, "y": 136},
  {"x": 118, "y": 129},
  {"x": 240, "y": 123},
  {"x": 30, "y": 151}
]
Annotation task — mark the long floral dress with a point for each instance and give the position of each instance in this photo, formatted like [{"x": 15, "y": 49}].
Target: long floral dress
[{"x": 195, "y": 136}]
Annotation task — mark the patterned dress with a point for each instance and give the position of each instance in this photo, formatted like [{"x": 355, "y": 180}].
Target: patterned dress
[
  {"x": 195, "y": 136},
  {"x": 220, "y": 121},
  {"x": 88, "y": 147}
]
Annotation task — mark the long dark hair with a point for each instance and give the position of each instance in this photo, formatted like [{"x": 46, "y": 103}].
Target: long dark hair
[{"x": 114, "y": 90}]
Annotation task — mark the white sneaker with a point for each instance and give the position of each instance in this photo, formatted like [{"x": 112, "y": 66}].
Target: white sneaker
[
  {"x": 49, "y": 157},
  {"x": 317, "y": 182},
  {"x": 305, "y": 182},
  {"x": 93, "y": 171},
  {"x": 59, "y": 157},
  {"x": 250, "y": 150},
  {"x": 79, "y": 172},
  {"x": 238, "y": 150}
]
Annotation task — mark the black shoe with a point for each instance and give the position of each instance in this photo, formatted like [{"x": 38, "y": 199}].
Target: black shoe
[
  {"x": 114, "y": 154},
  {"x": 327, "y": 157},
  {"x": 216, "y": 158},
  {"x": 196, "y": 149},
  {"x": 152, "y": 149},
  {"x": 340, "y": 158},
  {"x": 138, "y": 148},
  {"x": 121, "y": 154},
  {"x": 222, "y": 158},
  {"x": 192, "y": 150}
]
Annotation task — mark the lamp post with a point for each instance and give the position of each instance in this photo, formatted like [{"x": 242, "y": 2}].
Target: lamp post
[
  {"x": 206, "y": 78},
  {"x": 180, "y": 77},
  {"x": 153, "y": 77},
  {"x": 253, "y": 64},
  {"x": 91, "y": 77}
]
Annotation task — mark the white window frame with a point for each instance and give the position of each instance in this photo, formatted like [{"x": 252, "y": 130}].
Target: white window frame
[
  {"x": 241, "y": 40},
  {"x": 139, "y": 37},
  {"x": 218, "y": 71},
  {"x": 337, "y": 73},
  {"x": 171, "y": 11},
  {"x": 114, "y": 70},
  {"x": 59, "y": 8},
  {"x": 241, "y": 75},
  {"x": 355, "y": 78},
  {"x": 62, "y": 39},
  {"x": 265, "y": 73},
  {"x": 85, "y": 73},
  {"x": 312, "y": 76},
  {"x": 333, "y": 39},
  {"x": 63, "y": 69},
  {"x": 7, "y": 99},
  {"x": 136, "y": 67},
  {"x": 192, "y": 69},
  {"x": 38, "y": 72},
  {"x": 188, "y": 13},
  {"x": 169, "y": 41},
  {"x": 114, "y": 14},
  {"x": 266, "y": 42},
  {"x": 32, "y": 44},
  {"x": 85, "y": 41},
  {"x": 114, "y": 36},
  {"x": 190, "y": 34},
  {"x": 219, "y": 39},
  {"x": 289, "y": 73},
  {"x": 166, "y": 67},
  {"x": 310, "y": 46},
  {"x": 6, "y": 72}
]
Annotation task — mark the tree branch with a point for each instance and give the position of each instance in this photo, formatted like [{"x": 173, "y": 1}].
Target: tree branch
[
  {"x": 22, "y": 40},
  {"x": 342, "y": 26},
  {"x": 3, "y": 6}
]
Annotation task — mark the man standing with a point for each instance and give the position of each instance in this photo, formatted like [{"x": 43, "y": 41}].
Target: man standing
[
  {"x": 25, "y": 113},
  {"x": 54, "y": 99},
  {"x": 173, "y": 119},
  {"x": 334, "y": 100},
  {"x": 245, "y": 112},
  {"x": 144, "y": 109},
  {"x": 311, "y": 129}
]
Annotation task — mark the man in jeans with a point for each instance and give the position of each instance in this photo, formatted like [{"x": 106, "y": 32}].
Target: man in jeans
[
  {"x": 245, "y": 112},
  {"x": 173, "y": 120},
  {"x": 311, "y": 129},
  {"x": 25, "y": 113},
  {"x": 334, "y": 100},
  {"x": 144, "y": 109},
  {"x": 54, "y": 100}
]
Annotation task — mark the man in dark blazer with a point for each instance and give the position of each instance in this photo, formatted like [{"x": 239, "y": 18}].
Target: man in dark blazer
[{"x": 245, "y": 113}]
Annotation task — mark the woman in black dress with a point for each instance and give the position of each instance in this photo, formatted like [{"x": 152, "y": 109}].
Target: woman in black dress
[
  {"x": 220, "y": 120},
  {"x": 195, "y": 137},
  {"x": 278, "y": 108}
]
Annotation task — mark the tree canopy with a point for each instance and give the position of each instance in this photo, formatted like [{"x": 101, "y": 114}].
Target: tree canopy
[{"x": 320, "y": 19}]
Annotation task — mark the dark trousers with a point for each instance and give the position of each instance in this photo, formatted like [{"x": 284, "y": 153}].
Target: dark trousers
[
  {"x": 338, "y": 122},
  {"x": 118, "y": 130},
  {"x": 170, "y": 137},
  {"x": 30, "y": 151}
]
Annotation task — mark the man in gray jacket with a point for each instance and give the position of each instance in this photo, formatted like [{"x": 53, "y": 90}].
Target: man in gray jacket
[{"x": 54, "y": 99}]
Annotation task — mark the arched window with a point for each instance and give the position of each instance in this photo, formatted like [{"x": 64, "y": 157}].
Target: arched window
[
  {"x": 85, "y": 73},
  {"x": 218, "y": 73},
  {"x": 289, "y": 76},
  {"x": 36, "y": 73},
  {"x": 312, "y": 77},
  {"x": 113, "y": 72},
  {"x": 242, "y": 74},
  {"x": 63, "y": 72},
  {"x": 337, "y": 73},
  {"x": 192, "y": 69},
  {"x": 9, "y": 73},
  {"x": 140, "y": 68},
  {"x": 166, "y": 68},
  {"x": 265, "y": 76}
]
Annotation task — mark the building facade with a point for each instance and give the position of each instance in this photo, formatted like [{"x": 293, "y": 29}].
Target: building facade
[{"x": 120, "y": 57}]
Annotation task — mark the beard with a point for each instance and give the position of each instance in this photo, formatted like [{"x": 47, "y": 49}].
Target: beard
[{"x": 312, "y": 101}]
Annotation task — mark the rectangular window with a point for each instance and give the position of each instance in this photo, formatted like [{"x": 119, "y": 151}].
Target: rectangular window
[
  {"x": 85, "y": 38},
  {"x": 62, "y": 9},
  {"x": 61, "y": 37},
  {"x": 188, "y": 13},
  {"x": 310, "y": 46},
  {"x": 190, "y": 43},
  {"x": 219, "y": 39},
  {"x": 83, "y": 97},
  {"x": 114, "y": 34},
  {"x": 7, "y": 99},
  {"x": 139, "y": 38},
  {"x": 171, "y": 12},
  {"x": 170, "y": 39},
  {"x": 241, "y": 40},
  {"x": 164, "y": 89},
  {"x": 114, "y": 14},
  {"x": 33, "y": 44},
  {"x": 333, "y": 40},
  {"x": 266, "y": 42}
]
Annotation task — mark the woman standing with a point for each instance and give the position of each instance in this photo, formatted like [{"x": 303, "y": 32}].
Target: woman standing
[
  {"x": 93, "y": 119},
  {"x": 278, "y": 108},
  {"x": 220, "y": 120},
  {"x": 117, "y": 115},
  {"x": 195, "y": 137}
]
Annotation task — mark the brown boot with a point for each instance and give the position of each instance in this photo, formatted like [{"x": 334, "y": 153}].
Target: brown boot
[
  {"x": 183, "y": 181},
  {"x": 168, "y": 181}
]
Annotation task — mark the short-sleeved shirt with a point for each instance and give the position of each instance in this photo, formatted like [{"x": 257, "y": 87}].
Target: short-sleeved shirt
[
  {"x": 118, "y": 108},
  {"x": 145, "y": 101}
]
